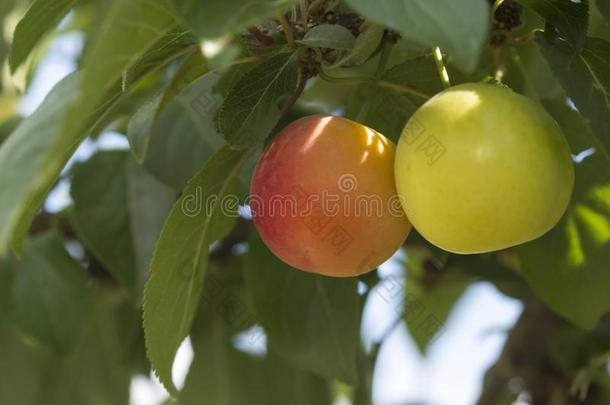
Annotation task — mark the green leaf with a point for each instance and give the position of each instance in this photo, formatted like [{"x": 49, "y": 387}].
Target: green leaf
[
  {"x": 148, "y": 203},
  {"x": 118, "y": 214},
  {"x": 130, "y": 28},
  {"x": 387, "y": 105},
  {"x": 215, "y": 18},
  {"x": 20, "y": 369},
  {"x": 578, "y": 132},
  {"x": 8, "y": 126},
  {"x": 573, "y": 279},
  {"x": 50, "y": 297},
  {"x": 431, "y": 293},
  {"x": 231, "y": 76},
  {"x": 570, "y": 18},
  {"x": 34, "y": 155},
  {"x": 179, "y": 264},
  {"x": 41, "y": 17},
  {"x": 218, "y": 368},
  {"x": 253, "y": 106},
  {"x": 22, "y": 162},
  {"x": 459, "y": 28},
  {"x": 585, "y": 78},
  {"x": 366, "y": 44},
  {"x": 6, "y": 283},
  {"x": 604, "y": 8},
  {"x": 5, "y": 8},
  {"x": 331, "y": 36},
  {"x": 310, "y": 320},
  {"x": 96, "y": 371},
  {"x": 173, "y": 43},
  {"x": 190, "y": 70},
  {"x": 174, "y": 144}
]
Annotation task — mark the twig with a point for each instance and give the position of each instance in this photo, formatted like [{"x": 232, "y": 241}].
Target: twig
[
  {"x": 523, "y": 355},
  {"x": 528, "y": 81},
  {"x": 287, "y": 30},
  {"x": 295, "y": 97},
  {"x": 262, "y": 38}
]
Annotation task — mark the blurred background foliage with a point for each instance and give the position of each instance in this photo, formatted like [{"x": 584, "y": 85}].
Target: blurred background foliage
[{"x": 152, "y": 76}]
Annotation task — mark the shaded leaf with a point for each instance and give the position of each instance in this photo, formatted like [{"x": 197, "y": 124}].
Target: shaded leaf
[
  {"x": 252, "y": 107},
  {"x": 50, "y": 294},
  {"x": 386, "y": 106},
  {"x": 585, "y": 78},
  {"x": 231, "y": 76},
  {"x": 459, "y": 28},
  {"x": 20, "y": 366},
  {"x": 174, "y": 144},
  {"x": 179, "y": 264},
  {"x": 366, "y": 44},
  {"x": 190, "y": 70},
  {"x": 310, "y": 320},
  {"x": 604, "y": 8},
  {"x": 331, "y": 36},
  {"x": 42, "y": 17},
  {"x": 570, "y": 18},
  {"x": 96, "y": 371},
  {"x": 218, "y": 368},
  {"x": 573, "y": 279},
  {"x": 432, "y": 291},
  {"x": 118, "y": 214}
]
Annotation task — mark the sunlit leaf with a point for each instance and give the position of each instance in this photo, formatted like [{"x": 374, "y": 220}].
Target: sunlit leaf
[
  {"x": 41, "y": 17},
  {"x": 179, "y": 264}
]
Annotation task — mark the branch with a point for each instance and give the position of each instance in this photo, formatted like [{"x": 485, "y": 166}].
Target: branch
[
  {"x": 298, "y": 92},
  {"x": 261, "y": 37},
  {"x": 524, "y": 355}
]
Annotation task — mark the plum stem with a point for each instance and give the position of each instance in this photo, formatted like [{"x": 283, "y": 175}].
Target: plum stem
[
  {"x": 295, "y": 97},
  {"x": 287, "y": 28},
  {"x": 260, "y": 36},
  {"x": 440, "y": 66},
  {"x": 528, "y": 80}
]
